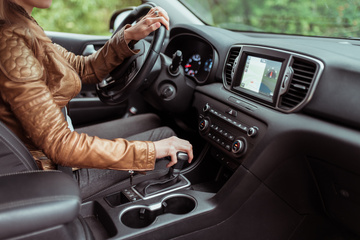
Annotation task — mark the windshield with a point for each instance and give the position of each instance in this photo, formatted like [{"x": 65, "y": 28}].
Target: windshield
[{"x": 328, "y": 18}]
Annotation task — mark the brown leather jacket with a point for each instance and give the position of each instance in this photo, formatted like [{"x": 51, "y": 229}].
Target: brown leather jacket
[{"x": 38, "y": 79}]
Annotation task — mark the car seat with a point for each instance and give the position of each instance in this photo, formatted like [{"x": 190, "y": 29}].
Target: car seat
[{"x": 36, "y": 204}]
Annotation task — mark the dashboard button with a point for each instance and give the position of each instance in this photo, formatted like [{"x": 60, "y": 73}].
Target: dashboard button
[
  {"x": 206, "y": 107},
  {"x": 244, "y": 128},
  {"x": 231, "y": 112}
]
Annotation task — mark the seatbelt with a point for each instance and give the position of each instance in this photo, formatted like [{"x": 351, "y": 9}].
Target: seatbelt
[
  {"x": 64, "y": 111},
  {"x": 67, "y": 170}
]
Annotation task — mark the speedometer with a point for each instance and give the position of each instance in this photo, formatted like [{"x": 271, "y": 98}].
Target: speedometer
[{"x": 193, "y": 65}]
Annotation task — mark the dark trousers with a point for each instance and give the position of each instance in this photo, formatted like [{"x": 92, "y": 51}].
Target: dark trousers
[{"x": 145, "y": 127}]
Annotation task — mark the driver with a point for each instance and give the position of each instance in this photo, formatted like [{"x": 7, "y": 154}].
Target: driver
[{"x": 39, "y": 78}]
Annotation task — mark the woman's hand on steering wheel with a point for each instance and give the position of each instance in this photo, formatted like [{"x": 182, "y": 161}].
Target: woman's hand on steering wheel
[
  {"x": 149, "y": 23},
  {"x": 131, "y": 74}
]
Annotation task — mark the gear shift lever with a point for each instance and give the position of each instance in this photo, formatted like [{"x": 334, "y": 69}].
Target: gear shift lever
[
  {"x": 170, "y": 179},
  {"x": 182, "y": 157}
]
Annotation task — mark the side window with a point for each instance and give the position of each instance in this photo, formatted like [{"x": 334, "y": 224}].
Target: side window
[{"x": 80, "y": 16}]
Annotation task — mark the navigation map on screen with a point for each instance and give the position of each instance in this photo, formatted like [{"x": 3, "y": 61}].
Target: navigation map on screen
[{"x": 260, "y": 75}]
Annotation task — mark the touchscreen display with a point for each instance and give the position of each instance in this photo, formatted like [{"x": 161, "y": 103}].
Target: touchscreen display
[{"x": 260, "y": 75}]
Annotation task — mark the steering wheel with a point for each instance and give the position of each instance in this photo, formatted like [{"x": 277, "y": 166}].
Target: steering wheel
[{"x": 131, "y": 74}]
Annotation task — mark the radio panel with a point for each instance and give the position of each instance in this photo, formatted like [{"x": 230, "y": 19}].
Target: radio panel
[{"x": 229, "y": 130}]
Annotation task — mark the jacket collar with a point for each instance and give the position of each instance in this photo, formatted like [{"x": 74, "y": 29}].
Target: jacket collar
[{"x": 19, "y": 9}]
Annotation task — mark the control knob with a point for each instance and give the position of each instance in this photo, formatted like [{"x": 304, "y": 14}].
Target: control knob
[
  {"x": 238, "y": 146},
  {"x": 252, "y": 131},
  {"x": 203, "y": 125}
]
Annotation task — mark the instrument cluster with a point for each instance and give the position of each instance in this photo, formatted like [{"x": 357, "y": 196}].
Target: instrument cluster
[{"x": 197, "y": 55}]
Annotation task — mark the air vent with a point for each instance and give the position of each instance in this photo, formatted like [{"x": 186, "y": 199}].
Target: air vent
[
  {"x": 234, "y": 52},
  {"x": 304, "y": 73}
]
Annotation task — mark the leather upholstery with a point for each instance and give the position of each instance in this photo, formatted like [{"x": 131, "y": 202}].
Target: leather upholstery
[
  {"x": 14, "y": 157},
  {"x": 34, "y": 201}
]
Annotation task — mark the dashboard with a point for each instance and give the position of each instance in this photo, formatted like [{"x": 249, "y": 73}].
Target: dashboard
[
  {"x": 243, "y": 76},
  {"x": 310, "y": 75},
  {"x": 269, "y": 100},
  {"x": 280, "y": 79}
]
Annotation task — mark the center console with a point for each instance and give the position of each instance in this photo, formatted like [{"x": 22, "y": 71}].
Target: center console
[
  {"x": 171, "y": 199},
  {"x": 116, "y": 217},
  {"x": 154, "y": 205},
  {"x": 146, "y": 206}
]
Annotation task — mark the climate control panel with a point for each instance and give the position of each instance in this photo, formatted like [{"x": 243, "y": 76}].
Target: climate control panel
[
  {"x": 223, "y": 137},
  {"x": 229, "y": 130}
]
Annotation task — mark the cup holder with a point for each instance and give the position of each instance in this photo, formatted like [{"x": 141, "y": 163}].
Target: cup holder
[{"x": 143, "y": 216}]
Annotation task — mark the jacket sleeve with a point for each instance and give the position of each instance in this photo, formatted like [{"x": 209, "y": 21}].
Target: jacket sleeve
[
  {"x": 23, "y": 87},
  {"x": 96, "y": 67}
]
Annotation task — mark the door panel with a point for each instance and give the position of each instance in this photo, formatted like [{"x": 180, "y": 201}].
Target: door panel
[{"x": 86, "y": 108}]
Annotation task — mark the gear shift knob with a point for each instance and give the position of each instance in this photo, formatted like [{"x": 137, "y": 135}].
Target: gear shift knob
[
  {"x": 182, "y": 157},
  {"x": 169, "y": 181}
]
